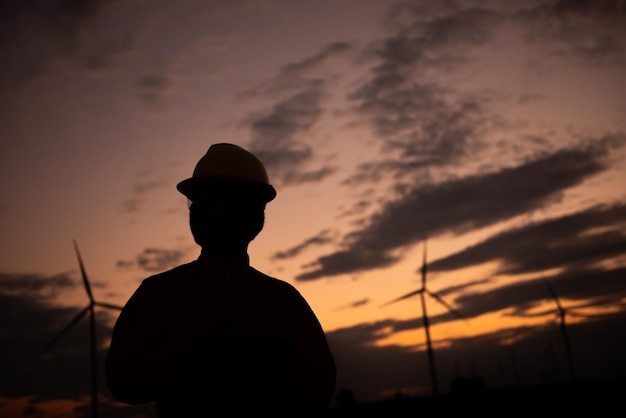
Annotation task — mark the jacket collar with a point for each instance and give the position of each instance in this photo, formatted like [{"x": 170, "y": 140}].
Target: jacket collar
[{"x": 211, "y": 259}]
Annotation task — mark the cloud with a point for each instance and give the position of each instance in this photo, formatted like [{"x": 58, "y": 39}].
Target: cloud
[
  {"x": 274, "y": 133},
  {"x": 148, "y": 181},
  {"x": 151, "y": 90},
  {"x": 322, "y": 238},
  {"x": 355, "y": 304},
  {"x": 131, "y": 205},
  {"x": 574, "y": 241},
  {"x": 283, "y": 136},
  {"x": 590, "y": 32},
  {"x": 457, "y": 206},
  {"x": 418, "y": 119},
  {"x": 313, "y": 61},
  {"x": 158, "y": 259},
  {"x": 360, "y": 302},
  {"x": 420, "y": 110},
  {"x": 294, "y": 76},
  {"x": 418, "y": 128},
  {"x": 38, "y": 34},
  {"x": 604, "y": 287},
  {"x": 154, "y": 260},
  {"x": 34, "y": 284},
  {"x": 587, "y": 30},
  {"x": 65, "y": 16},
  {"x": 276, "y": 136},
  {"x": 103, "y": 57},
  {"x": 146, "y": 186}
]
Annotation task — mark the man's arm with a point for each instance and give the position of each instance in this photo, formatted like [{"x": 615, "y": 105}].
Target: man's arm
[
  {"x": 317, "y": 370},
  {"x": 143, "y": 357}
]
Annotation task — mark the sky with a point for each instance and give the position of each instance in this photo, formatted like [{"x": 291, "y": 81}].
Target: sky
[{"x": 494, "y": 132}]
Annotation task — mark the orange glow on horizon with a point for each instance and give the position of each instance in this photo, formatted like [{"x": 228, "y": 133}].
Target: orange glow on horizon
[{"x": 58, "y": 408}]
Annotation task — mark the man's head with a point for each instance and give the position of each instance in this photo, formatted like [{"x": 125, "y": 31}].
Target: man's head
[{"x": 228, "y": 193}]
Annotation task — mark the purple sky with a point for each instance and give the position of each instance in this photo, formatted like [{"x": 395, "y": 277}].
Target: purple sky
[{"x": 496, "y": 129}]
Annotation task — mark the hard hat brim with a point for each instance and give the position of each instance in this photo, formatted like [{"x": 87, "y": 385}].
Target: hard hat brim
[{"x": 193, "y": 186}]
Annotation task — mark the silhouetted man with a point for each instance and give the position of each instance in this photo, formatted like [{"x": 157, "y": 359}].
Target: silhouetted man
[{"x": 215, "y": 336}]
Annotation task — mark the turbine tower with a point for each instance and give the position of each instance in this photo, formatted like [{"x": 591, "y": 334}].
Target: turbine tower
[
  {"x": 421, "y": 292},
  {"x": 90, "y": 308},
  {"x": 561, "y": 313}
]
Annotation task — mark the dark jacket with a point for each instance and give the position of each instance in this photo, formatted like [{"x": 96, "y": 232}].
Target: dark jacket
[{"x": 213, "y": 336}]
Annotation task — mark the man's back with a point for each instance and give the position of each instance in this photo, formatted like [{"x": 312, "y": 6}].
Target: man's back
[{"x": 201, "y": 330}]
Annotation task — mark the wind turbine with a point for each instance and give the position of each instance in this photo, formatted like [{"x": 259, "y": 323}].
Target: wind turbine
[
  {"x": 561, "y": 313},
  {"x": 90, "y": 308},
  {"x": 421, "y": 292}
]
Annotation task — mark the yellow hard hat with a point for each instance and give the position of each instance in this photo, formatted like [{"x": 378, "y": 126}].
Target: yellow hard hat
[{"x": 231, "y": 163}]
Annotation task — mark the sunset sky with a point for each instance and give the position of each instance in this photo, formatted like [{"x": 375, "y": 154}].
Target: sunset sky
[{"x": 496, "y": 129}]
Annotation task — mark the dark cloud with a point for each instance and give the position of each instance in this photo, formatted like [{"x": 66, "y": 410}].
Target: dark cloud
[
  {"x": 103, "y": 57},
  {"x": 158, "y": 259},
  {"x": 590, "y": 32},
  {"x": 604, "y": 287},
  {"x": 461, "y": 205},
  {"x": 274, "y": 134},
  {"x": 311, "y": 176},
  {"x": 311, "y": 62},
  {"x": 294, "y": 76},
  {"x": 277, "y": 141},
  {"x": 124, "y": 264},
  {"x": 154, "y": 260},
  {"x": 417, "y": 126},
  {"x": 597, "y": 345},
  {"x": 30, "y": 320},
  {"x": 584, "y": 29},
  {"x": 65, "y": 15},
  {"x": 418, "y": 119},
  {"x": 146, "y": 186},
  {"x": 435, "y": 32},
  {"x": 361, "y": 302},
  {"x": 147, "y": 181},
  {"x": 359, "y": 258},
  {"x": 589, "y": 6},
  {"x": 461, "y": 287},
  {"x": 151, "y": 89},
  {"x": 402, "y": 115},
  {"x": 419, "y": 123},
  {"x": 282, "y": 137},
  {"x": 355, "y": 304},
  {"x": 131, "y": 205},
  {"x": 37, "y": 34},
  {"x": 29, "y": 284},
  {"x": 323, "y": 237},
  {"x": 358, "y": 207},
  {"x": 573, "y": 241}
]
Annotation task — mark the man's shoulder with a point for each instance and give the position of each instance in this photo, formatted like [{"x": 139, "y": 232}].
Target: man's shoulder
[
  {"x": 173, "y": 274},
  {"x": 273, "y": 281}
]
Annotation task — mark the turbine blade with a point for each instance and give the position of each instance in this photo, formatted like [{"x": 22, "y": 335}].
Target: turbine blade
[
  {"x": 408, "y": 295},
  {"x": 424, "y": 265},
  {"x": 74, "y": 321},
  {"x": 83, "y": 273},
  {"x": 108, "y": 305},
  {"x": 553, "y": 294},
  {"x": 447, "y": 306}
]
